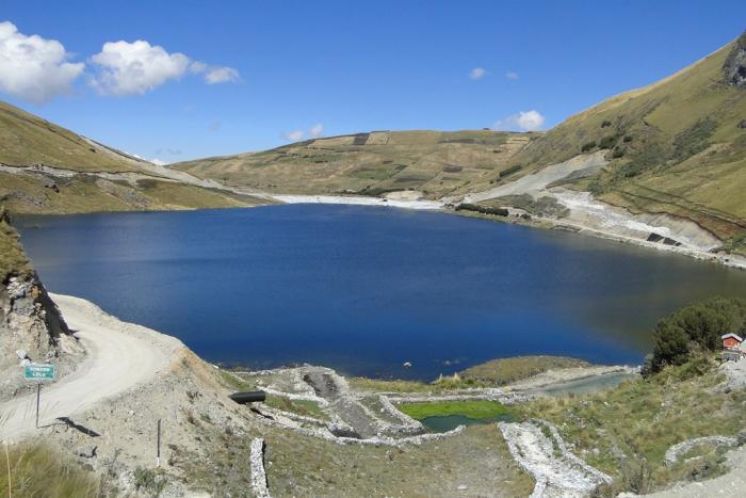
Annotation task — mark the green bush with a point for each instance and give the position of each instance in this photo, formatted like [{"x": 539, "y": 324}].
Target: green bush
[
  {"x": 606, "y": 124},
  {"x": 588, "y": 146},
  {"x": 510, "y": 171},
  {"x": 694, "y": 139},
  {"x": 697, "y": 327},
  {"x": 608, "y": 142}
]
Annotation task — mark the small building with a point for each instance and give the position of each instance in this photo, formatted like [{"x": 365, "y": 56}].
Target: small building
[{"x": 731, "y": 341}]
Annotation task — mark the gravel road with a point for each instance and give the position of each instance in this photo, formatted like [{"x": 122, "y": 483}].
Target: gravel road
[{"x": 120, "y": 356}]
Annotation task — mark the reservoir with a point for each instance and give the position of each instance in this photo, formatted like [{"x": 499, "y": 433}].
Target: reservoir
[{"x": 366, "y": 289}]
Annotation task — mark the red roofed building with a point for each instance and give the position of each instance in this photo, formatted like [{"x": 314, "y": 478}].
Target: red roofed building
[{"x": 731, "y": 341}]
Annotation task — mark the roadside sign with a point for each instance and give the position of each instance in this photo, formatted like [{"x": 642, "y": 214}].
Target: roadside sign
[{"x": 39, "y": 372}]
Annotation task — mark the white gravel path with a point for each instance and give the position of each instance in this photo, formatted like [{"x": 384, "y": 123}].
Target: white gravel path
[{"x": 120, "y": 356}]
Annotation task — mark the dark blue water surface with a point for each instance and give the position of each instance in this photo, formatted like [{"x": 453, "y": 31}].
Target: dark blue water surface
[{"x": 364, "y": 289}]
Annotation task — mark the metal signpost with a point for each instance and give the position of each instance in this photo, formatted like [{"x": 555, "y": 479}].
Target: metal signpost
[{"x": 39, "y": 373}]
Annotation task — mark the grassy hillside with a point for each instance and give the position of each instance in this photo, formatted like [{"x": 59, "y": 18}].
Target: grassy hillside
[
  {"x": 27, "y": 140},
  {"x": 438, "y": 163},
  {"x": 677, "y": 146}
]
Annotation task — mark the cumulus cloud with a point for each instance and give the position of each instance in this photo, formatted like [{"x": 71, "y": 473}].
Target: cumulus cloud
[
  {"x": 135, "y": 68},
  {"x": 132, "y": 68},
  {"x": 34, "y": 68},
  {"x": 316, "y": 130},
  {"x": 525, "y": 121},
  {"x": 511, "y": 75},
  {"x": 477, "y": 73},
  {"x": 294, "y": 135}
]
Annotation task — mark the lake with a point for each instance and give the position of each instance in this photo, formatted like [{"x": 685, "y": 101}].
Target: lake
[{"x": 365, "y": 289}]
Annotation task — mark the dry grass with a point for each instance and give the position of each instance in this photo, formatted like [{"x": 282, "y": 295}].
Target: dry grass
[
  {"x": 506, "y": 370},
  {"x": 27, "y": 194},
  {"x": 34, "y": 470},
  {"x": 26, "y": 139},
  {"x": 437, "y": 163}
]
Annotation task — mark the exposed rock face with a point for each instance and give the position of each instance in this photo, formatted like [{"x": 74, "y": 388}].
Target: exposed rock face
[
  {"x": 735, "y": 64},
  {"x": 30, "y": 327}
]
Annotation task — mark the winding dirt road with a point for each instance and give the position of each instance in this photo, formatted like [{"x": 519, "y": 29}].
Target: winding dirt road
[{"x": 120, "y": 356}]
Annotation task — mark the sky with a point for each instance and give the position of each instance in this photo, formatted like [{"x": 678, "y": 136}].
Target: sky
[{"x": 177, "y": 80}]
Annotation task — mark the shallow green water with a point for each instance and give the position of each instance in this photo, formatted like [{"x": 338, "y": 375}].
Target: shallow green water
[{"x": 450, "y": 422}]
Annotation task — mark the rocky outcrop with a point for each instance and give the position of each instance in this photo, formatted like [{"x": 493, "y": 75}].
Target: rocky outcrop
[
  {"x": 735, "y": 65},
  {"x": 31, "y": 326},
  {"x": 539, "y": 449}
]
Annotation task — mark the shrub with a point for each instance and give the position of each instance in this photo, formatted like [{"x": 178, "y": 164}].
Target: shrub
[
  {"x": 607, "y": 142},
  {"x": 588, "y": 146},
  {"x": 697, "y": 327},
  {"x": 606, "y": 124},
  {"x": 510, "y": 171},
  {"x": 694, "y": 139},
  {"x": 465, "y": 206},
  {"x": 618, "y": 152}
]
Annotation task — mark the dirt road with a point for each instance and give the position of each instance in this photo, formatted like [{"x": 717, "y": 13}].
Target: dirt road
[{"x": 120, "y": 356}]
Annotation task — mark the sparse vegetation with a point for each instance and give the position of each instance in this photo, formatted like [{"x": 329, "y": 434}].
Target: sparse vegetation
[
  {"x": 12, "y": 259},
  {"x": 300, "y": 407},
  {"x": 507, "y": 370}
]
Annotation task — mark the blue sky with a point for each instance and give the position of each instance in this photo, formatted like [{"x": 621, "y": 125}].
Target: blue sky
[{"x": 224, "y": 77}]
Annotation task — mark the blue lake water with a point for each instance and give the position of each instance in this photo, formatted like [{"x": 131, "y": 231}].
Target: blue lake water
[{"x": 365, "y": 289}]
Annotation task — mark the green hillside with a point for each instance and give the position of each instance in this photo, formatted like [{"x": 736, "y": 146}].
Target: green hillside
[
  {"x": 677, "y": 146},
  {"x": 438, "y": 163}
]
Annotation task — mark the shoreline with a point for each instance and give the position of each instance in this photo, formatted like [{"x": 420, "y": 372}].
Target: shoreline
[{"x": 730, "y": 261}]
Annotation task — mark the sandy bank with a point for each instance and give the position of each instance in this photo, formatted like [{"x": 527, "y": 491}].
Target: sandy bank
[{"x": 360, "y": 201}]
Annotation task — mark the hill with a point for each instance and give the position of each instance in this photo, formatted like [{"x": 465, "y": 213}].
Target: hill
[
  {"x": 671, "y": 155},
  {"x": 436, "y": 163},
  {"x": 677, "y": 146},
  {"x": 45, "y": 168}
]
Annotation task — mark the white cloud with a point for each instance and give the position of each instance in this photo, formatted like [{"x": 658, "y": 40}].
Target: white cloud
[
  {"x": 294, "y": 135},
  {"x": 511, "y": 75},
  {"x": 525, "y": 121},
  {"x": 313, "y": 132},
  {"x": 477, "y": 73},
  {"x": 158, "y": 162},
  {"x": 34, "y": 68},
  {"x": 135, "y": 68},
  {"x": 221, "y": 75},
  {"x": 316, "y": 130}
]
